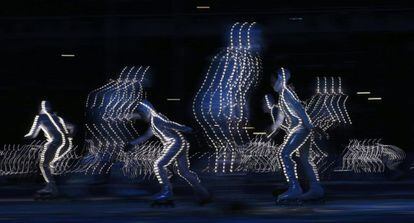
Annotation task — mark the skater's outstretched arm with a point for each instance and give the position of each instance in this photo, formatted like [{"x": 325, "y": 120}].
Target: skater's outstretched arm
[
  {"x": 35, "y": 129},
  {"x": 179, "y": 127}
]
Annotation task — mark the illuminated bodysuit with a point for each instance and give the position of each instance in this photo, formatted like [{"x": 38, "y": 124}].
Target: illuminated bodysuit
[
  {"x": 59, "y": 143},
  {"x": 175, "y": 151},
  {"x": 294, "y": 120},
  {"x": 221, "y": 105}
]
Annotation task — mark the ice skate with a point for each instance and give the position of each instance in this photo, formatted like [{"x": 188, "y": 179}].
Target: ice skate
[
  {"x": 291, "y": 196},
  {"x": 315, "y": 193},
  {"x": 203, "y": 196},
  {"x": 163, "y": 198},
  {"x": 47, "y": 193}
]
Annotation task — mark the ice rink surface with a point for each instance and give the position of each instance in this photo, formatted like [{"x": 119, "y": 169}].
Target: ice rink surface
[{"x": 235, "y": 200}]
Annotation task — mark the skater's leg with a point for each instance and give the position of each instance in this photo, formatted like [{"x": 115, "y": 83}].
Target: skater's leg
[
  {"x": 183, "y": 167},
  {"x": 289, "y": 147},
  {"x": 63, "y": 150},
  {"x": 169, "y": 154},
  {"x": 311, "y": 172},
  {"x": 183, "y": 164},
  {"x": 46, "y": 158}
]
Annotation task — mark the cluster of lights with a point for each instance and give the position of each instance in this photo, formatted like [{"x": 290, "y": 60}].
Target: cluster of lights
[
  {"x": 328, "y": 106},
  {"x": 140, "y": 162},
  {"x": 25, "y": 160},
  {"x": 371, "y": 156},
  {"x": 220, "y": 106},
  {"x": 20, "y": 159},
  {"x": 259, "y": 155},
  {"x": 110, "y": 112}
]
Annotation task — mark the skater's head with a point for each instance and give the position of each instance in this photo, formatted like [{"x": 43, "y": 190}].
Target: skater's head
[
  {"x": 45, "y": 107},
  {"x": 233, "y": 40},
  {"x": 254, "y": 37},
  {"x": 144, "y": 110},
  {"x": 283, "y": 76},
  {"x": 268, "y": 103},
  {"x": 245, "y": 35}
]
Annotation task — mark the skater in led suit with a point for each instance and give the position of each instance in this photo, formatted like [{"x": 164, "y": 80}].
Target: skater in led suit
[
  {"x": 293, "y": 118},
  {"x": 175, "y": 152},
  {"x": 59, "y": 142}
]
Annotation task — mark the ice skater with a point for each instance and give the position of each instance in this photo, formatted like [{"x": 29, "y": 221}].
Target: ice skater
[
  {"x": 175, "y": 152},
  {"x": 59, "y": 142},
  {"x": 292, "y": 118}
]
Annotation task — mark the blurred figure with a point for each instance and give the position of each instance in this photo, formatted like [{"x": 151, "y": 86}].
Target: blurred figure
[
  {"x": 298, "y": 127},
  {"x": 59, "y": 142},
  {"x": 175, "y": 152},
  {"x": 221, "y": 104}
]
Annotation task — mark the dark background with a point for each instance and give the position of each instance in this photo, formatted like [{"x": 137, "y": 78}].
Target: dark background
[{"x": 369, "y": 43}]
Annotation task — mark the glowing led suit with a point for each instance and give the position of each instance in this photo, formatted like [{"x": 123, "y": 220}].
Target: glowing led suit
[
  {"x": 221, "y": 105},
  {"x": 59, "y": 143},
  {"x": 293, "y": 118},
  {"x": 175, "y": 151}
]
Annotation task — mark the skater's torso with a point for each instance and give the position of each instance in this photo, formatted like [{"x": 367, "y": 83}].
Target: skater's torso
[
  {"x": 162, "y": 130},
  {"x": 53, "y": 127},
  {"x": 292, "y": 121}
]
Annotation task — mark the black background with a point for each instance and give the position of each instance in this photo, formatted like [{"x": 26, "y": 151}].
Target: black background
[{"x": 369, "y": 43}]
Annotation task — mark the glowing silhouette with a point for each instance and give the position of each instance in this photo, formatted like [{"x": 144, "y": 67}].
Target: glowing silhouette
[
  {"x": 299, "y": 130},
  {"x": 59, "y": 142},
  {"x": 221, "y": 105},
  {"x": 175, "y": 151},
  {"x": 109, "y": 113}
]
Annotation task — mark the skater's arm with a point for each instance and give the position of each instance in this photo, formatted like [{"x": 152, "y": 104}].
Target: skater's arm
[
  {"x": 278, "y": 117},
  {"x": 134, "y": 116},
  {"x": 35, "y": 129},
  {"x": 69, "y": 127},
  {"x": 299, "y": 109},
  {"x": 179, "y": 127},
  {"x": 146, "y": 136}
]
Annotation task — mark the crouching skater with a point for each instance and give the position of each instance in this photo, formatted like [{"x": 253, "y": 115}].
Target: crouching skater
[
  {"x": 59, "y": 142},
  {"x": 175, "y": 151}
]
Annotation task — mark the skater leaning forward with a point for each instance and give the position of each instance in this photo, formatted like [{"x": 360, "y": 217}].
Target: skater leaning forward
[
  {"x": 175, "y": 152},
  {"x": 298, "y": 126}
]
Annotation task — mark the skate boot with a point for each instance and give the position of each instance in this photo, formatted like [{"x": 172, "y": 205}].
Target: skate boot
[
  {"x": 315, "y": 192},
  {"x": 50, "y": 191},
  {"x": 203, "y": 196},
  {"x": 291, "y": 195},
  {"x": 163, "y": 198}
]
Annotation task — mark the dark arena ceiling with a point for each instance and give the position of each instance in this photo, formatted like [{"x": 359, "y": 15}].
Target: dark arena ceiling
[{"x": 369, "y": 43}]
